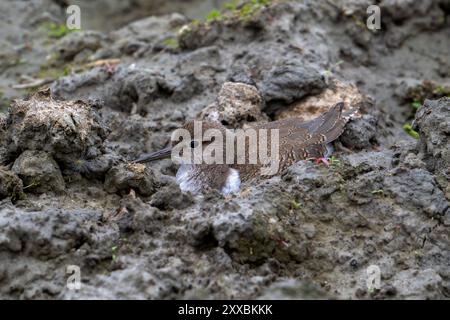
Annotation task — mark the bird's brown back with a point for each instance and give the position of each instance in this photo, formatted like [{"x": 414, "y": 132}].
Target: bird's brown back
[{"x": 300, "y": 140}]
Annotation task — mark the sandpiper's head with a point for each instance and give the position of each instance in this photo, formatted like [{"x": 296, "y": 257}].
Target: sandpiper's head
[
  {"x": 186, "y": 145},
  {"x": 188, "y": 137}
]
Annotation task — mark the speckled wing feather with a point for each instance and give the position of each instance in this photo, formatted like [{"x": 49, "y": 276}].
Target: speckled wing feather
[
  {"x": 309, "y": 139},
  {"x": 300, "y": 140}
]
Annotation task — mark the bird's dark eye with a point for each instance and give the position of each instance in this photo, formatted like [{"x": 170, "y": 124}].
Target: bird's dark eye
[{"x": 194, "y": 144}]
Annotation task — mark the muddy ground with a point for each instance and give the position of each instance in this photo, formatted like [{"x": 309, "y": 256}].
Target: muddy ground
[{"x": 118, "y": 87}]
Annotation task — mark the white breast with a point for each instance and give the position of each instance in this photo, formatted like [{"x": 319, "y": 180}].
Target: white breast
[
  {"x": 185, "y": 179},
  {"x": 188, "y": 180},
  {"x": 233, "y": 182}
]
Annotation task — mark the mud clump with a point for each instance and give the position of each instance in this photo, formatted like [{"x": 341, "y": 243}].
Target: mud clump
[
  {"x": 67, "y": 130},
  {"x": 289, "y": 83},
  {"x": 33, "y": 234},
  {"x": 433, "y": 124},
  {"x": 251, "y": 232},
  {"x": 63, "y": 237},
  {"x": 39, "y": 172},
  {"x": 122, "y": 178},
  {"x": 170, "y": 197},
  {"x": 417, "y": 188},
  {"x": 78, "y": 46},
  {"x": 237, "y": 104},
  {"x": 10, "y": 185},
  {"x": 360, "y": 133}
]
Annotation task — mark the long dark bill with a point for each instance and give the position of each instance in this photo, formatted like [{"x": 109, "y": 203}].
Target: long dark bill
[{"x": 157, "y": 155}]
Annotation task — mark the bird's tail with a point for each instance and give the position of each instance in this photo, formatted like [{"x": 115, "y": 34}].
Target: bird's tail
[{"x": 334, "y": 122}]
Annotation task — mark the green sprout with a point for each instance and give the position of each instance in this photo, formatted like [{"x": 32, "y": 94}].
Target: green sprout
[
  {"x": 329, "y": 72},
  {"x": 213, "y": 15},
  {"x": 243, "y": 10},
  {"x": 58, "y": 31},
  {"x": 334, "y": 162},
  {"x": 231, "y": 6},
  {"x": 114, "y": 253},
  {"x": 195, "y": 22},
  {"x": 250, "y": 8},
  {"x": 31, "y": 185},
  {"x": 171, "y": 43},
  {"x": 295, "y": 204},
  {"x": 416, "y": 104},
  {"x": 114, "y": 249},
  {"x": 409, "y": 130},
  {"x": 378, "y": 192},
  {"x": 247, "y": 10}
]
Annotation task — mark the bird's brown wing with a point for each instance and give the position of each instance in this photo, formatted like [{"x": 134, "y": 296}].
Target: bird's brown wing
[
  {"x": 301, "y": 140},
  {"x": 334, "y": 122},
  {"x": 308, "y": 139},
  {"x": 327, "y": 123}
]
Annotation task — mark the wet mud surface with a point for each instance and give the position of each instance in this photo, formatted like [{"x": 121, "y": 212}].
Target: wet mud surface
[{"x": 69, "y": 194}]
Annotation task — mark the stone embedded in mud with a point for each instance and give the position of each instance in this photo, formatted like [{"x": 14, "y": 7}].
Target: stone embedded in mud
[
  {"x": 39, "y": 172},
  {"x": 10, "y": 185},
  {"x": 67, "y": 130},
  {"x": 290, "y": 82},
  {"x": 124, "y": 177},
  {"x": 236, "y": 104}
]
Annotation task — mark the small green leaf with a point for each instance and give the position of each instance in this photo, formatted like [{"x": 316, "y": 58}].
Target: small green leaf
[
  {"x": 295, "y": 204},
  {"x": 213, "y": 15},
  {"x": 334, "y": 161},
  {"x": 57, "y": 31},
  {"x": 171, "y": 43},
  {"x": 409, "y": 130},
  {"x": 416, "y": 104},
  {"x": 232, "y": 5},
  {"x": 379, "y": 191}
]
